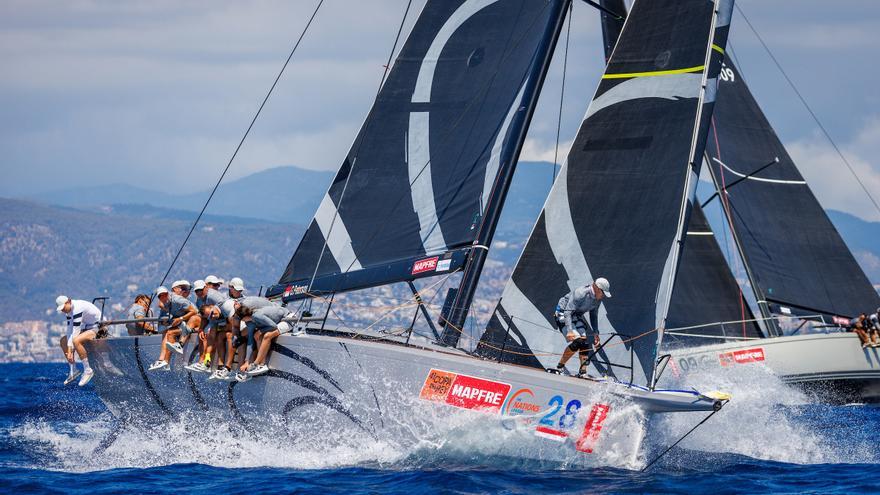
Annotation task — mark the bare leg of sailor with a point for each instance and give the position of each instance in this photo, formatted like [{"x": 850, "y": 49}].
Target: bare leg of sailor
[
  {"x": 265, "y": 345},
  {"x": 170, "y": 337},
  {"x": 78, "y": 342},
  {"x": 68, "y": 354}
]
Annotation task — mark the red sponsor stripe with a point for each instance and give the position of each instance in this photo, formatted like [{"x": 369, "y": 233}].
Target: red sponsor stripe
[
  {"x": 425, "y": 265},
  {"x": 590, "y": 436},
  {"x": 543, "y": 431},
  {"x": 742, "y": 356},
  {"x": 469, "y": 392}
]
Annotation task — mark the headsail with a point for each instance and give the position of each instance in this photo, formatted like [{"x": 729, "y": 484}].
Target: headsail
[
  {"x": 795, "y": 256},
  {"x": 620, "y": 204},
  {"x": 705, "y": 290},
  {"x": 409, "y": 197}
]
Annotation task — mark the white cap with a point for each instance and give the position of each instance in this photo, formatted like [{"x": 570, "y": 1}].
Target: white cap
[
  {"x": 180, "y": 283},
  {"x": 237, "y": 283},
  {"x": 60, "y": 301},
  {"x": 161, "y": 290},
  {"x": 603, "y": 285},
  {"x": 198, "y": 285},
  {"x": 213, "y": 279},
  {"x": 284, "y": 327}
]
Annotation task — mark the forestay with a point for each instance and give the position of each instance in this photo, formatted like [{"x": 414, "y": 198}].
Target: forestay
[
  {"x": 410, "y": 195},
  {"x": 797, "y": 259},
  {"x": 620, "y": 204}
]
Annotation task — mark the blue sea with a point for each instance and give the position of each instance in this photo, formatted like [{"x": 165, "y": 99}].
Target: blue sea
[{"x": 771, "y": 440}]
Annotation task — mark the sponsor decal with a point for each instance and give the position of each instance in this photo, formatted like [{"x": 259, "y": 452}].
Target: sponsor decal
[
  {"x": 839, "y": 320},
  {"x": 587, "y": 442},
  {"x": 444, "y": 265},
  {"x": 520, "y": 402},
  {"x": 466, "y": 392},
  {"x": 295, "y": 290},
  {"x": 742, "y": 356},
  {"x": 425, "y": 265},
  {"x": 551, "y": 433}
]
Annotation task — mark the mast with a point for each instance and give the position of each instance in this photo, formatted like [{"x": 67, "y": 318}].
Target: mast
[{"x": 519, "y": 128}]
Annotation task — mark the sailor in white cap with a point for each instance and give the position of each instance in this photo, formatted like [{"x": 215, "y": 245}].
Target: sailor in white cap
[
  {"x": 236, "y": 288},
  {"x": 184, "y": 318},
  {"x": 580, "y": 334},
  {"x": 83, "y": 319},
  {"x": 213, "y": 281},
  {"x": 212, "y": 329}
]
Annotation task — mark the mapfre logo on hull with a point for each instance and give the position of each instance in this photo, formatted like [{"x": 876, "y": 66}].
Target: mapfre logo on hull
[
  {"x": 742, "y": 357},
  {"x": 466, "y": 392},
  {"x": 425, "y": 265}
]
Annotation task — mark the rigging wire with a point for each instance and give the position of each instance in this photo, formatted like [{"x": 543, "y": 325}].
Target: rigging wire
[
  {"x": 680, "y": 439},
  {"x": 562, "y": 90},
  {"x": 356, "y": 149},
  {"x": 809, "y": 109},
  {"x": 241, "y": 142}
]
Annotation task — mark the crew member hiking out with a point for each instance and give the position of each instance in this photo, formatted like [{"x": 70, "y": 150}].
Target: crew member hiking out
[
  {"x": 184, "y": 318},
  {"x": 858, "y": 326},
  {"x": 269, "y": 321},
  {"x": 139, "y": 310},
  {"x": 83, "y": 318},
  {"x": 580, "y": 334}
]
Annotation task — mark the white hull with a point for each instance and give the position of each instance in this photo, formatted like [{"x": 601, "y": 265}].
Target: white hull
[
  {"x": 832, "y": 366},
  {"x": 383, "y": 390}
]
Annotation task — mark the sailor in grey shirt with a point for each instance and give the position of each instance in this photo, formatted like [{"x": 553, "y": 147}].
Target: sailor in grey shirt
[
  {"x": 138, "y": 310},
  {"x": 270, "y": 321},
  {"x": 581, "y": 335}
]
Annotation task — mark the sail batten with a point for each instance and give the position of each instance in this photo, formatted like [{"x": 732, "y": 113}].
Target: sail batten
[
  {"x": 414, "y": 184},
  {"x": 619, "y": 206}
]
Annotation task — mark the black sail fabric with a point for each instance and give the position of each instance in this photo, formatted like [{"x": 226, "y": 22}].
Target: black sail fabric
[
  {"x": 415, "y": 183},
  {"x": 620, "y": 204},
  {"x": 706, "y": 292},
  {"x": 796, "y": 257}
]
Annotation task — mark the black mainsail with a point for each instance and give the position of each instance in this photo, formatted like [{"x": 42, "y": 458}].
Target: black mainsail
[
  {"x": 621, "y": 203},
  {"x": 797, "y": 262},
  {"x": 448, "y": 123}
]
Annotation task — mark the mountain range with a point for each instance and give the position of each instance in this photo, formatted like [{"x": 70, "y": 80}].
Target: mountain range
[{"x": 118, "y": 240}]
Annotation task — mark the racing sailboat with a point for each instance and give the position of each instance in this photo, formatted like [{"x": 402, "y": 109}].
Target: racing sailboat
[
  {"x": 419, "y": 195},
  {"x": 798, "y": 267}
]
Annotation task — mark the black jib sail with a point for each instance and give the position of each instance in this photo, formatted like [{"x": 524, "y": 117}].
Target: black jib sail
[
  {"x": 620, "y": 204},
  {"x": 797, "y": 261},
  {"x": 409, "y": 198},
  {"x": 706, "y": 300}
]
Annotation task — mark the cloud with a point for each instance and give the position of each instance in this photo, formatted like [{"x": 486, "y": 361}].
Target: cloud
[
  {"x": 831, "y": 181},
  {"x": 535, "y": 150}
]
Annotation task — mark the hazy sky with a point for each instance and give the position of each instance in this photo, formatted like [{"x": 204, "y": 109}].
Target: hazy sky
[{"x": 158, "y": 93}]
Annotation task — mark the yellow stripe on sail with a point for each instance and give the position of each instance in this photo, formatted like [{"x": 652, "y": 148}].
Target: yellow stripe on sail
[
  {"x": 654, "y": 73},
  {"x": 718, "y": 48}
]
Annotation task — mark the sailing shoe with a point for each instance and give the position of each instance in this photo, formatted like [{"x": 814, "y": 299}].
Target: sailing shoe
[
  {"x": 260, "y": 369},
  {"x": 251, "y": 367},
  {"x": 86, "y": 377},
  {"x": 174, "y": 346},
  {"x": 198, "y": 368},
  {"x": 220, "y": 374},
  {"x": 160, "y": 365},
  {"x": 72, "y": 376},
  {"x": 242, "y": 377}
]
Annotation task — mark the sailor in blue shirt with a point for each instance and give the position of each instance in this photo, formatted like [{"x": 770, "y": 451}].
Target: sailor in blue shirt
[{"x": 580, "y": 334}]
